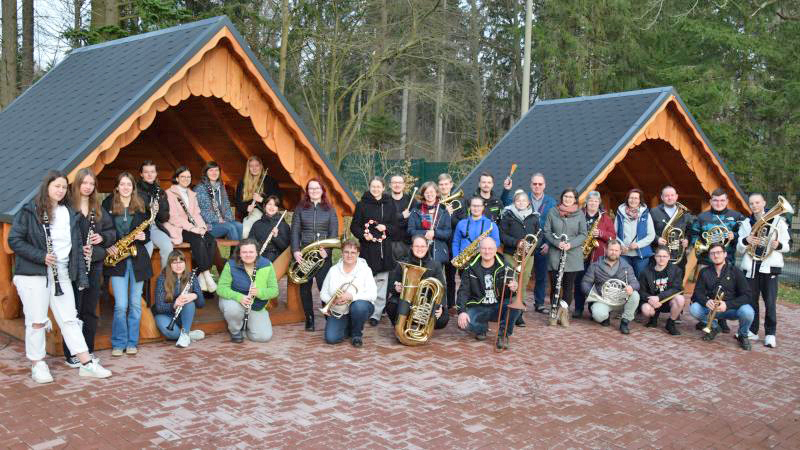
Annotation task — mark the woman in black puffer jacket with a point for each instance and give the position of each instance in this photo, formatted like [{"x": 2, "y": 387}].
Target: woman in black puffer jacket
[
  {"x": 314, "y": 219},
  {"x": 374, "y": 221}
]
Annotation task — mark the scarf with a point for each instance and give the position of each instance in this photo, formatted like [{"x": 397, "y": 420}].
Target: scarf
[
  {"x": 564, "y": 211},
  {"x": 519, "y": 214},
  {"x": 427, "y": 215},
  {"x": 632, "y": 213}
]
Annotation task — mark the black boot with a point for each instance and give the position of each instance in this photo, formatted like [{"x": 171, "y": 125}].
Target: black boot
[
  {"x": 653, "y": 322},
  {"x": 520, "y": 322},
  {"x": 309, "y": 322},
  {"x": 712, "y": 335},
  {"x": 744, "y": 342},
  {"x": 723, "y": 326},
  {"x": 606, "y": 322},
  {"x": 672, "y": 328},
  {"x": 623, "y": 327}
]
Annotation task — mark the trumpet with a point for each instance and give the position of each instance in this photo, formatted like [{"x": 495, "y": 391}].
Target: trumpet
[
  {"x": 453, "y": 201},
  {"x": 337, "y": 311},
  {"x": 718, "y": 299}
]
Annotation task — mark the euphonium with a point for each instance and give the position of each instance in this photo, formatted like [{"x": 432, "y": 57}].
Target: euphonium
[
  {"x": 454, "y": 200},
  {"x": 125, "y": 246},
  {"x": 591, "y": 242},
  {"x": 418, "y": 301},
  {"x": 717, "y": 234},
  {"x": 674, "y": 235},
  {"x": 337, "y": 311},
  {"x": 765, "y": 232},
  {"x": 467, "y": 254},
  {"x": 300, "y": 273}
]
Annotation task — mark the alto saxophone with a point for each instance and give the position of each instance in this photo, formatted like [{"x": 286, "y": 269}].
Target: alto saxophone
[
  {"x": 126, "y": 246},
  {"x": 467, "y": 254},
  {"x": 591, "y": 242}
]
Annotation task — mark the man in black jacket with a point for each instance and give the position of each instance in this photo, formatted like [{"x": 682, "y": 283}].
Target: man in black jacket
[
  {"x": 735, "y": 305},
  {"x": 493, "y": 204},
  {"x": 445, "y": 184},
  {"x": 418, "y": 257},
  {"x": 662, "y": 214},
  {"x": 403, "y": 204},
  {"x": 658, "y": 282},
  {"x": 148, "y": 187},
  {"x": 479, "y": 297}
]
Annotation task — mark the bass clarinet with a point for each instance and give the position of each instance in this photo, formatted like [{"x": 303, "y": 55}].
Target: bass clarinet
[
  {"x": 49, "y": 243},
  {"x": 559, "y": 310},
  {"x": 185, "y": 290}
]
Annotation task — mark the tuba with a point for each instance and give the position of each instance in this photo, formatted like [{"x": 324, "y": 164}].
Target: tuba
[
  {"x": 337, "y": 311},
  {"x": 418, "y": 301},
  {"x": 766, "y": 232},
  {"x": 674, "y": 235},
  {"x": 466, "y": 255},
  {"x": 300, "y": 273},
  {"x": 126, "y": 246},
  {"x": 454, "y": 201}
]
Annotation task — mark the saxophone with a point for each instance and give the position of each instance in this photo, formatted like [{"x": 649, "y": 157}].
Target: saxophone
[
  {"x": 674, "y": 235},
  {"x": 466, "y": 255},
  {"x": 300, "y": 273},
  {"x": 419, "y": 300},
  {"x": 125, "y": 246},
  {"x": 591, "y": 242}
]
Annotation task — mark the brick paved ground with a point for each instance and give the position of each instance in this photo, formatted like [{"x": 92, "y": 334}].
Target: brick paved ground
[{"x": 585, "y": 386}]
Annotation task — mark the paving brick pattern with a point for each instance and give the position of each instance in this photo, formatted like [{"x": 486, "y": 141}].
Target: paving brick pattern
[{"x": 586, "y": 386}]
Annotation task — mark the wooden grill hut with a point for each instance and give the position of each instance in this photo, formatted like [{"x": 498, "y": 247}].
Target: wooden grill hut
[{"x": 179, "y": 96}]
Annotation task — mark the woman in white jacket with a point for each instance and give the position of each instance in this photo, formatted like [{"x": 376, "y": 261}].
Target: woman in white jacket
[{"x": 356, "y": 300}]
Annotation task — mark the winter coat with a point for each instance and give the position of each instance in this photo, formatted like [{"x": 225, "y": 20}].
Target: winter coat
[
  {"x": 707, "y": 220},
  {"x": 234, "y": 283},
  {"x": 203, "y": 191},
  {"x": 474, "y": 291},
  {"x": 261, "y": 230},
  {"x": 142, "y": 268},
  {"x": 574, "y": 226},
  {"x": 178, "y": 220},
  {"x": 147, "y": 191},
  {"x": 268, "y": 187},
  {"x": 105, "y": 228},
  {"x": 645, "y": 232},
  {"x": 512, "y": 230},
  {"x": 27, "y": 240},
  {"x": 548, "y": 202},
  {"x": 164, "y": 305},
  {"x": 469, "y": 229},
  {"x": 440, "y": 248},
  {"x": 733, "y": 283},
  {"x": 599, "y": 272},
  {"x": 377, "y": 254},
  {"x": 313, "y": 223},
  {"x": 607, "y": 232},
  {"x": 493, "y": 206}
]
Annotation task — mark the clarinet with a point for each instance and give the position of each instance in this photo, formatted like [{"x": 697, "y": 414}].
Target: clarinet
[
  {"x": 186, "y": 210},
  {"x": 185, "y": 290},
  {"x": 89, "y": 234},
  {"x": 49, "y": 242},
  {"x": 214, "y": 204},
  {"x": 269, "y": 238},
  {"x": 247, "y": 308}
]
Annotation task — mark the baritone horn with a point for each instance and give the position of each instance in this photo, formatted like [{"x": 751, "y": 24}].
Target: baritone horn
[
  {"x": 312, "y": 260},
  {"x": 766, "y": 232},
  {"x": 418, "y": 301}
]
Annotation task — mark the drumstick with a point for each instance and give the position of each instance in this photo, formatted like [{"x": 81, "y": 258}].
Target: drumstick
[
  {"x": 513, "y": 169},
  {"x": 412, "y": 198}
]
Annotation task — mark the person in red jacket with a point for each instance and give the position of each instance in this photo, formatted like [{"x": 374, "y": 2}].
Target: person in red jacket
[{"x": 602, "y": 233}]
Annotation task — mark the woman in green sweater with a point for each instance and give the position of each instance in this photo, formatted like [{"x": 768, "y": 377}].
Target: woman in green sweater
[{"x": 238, "y": 291}]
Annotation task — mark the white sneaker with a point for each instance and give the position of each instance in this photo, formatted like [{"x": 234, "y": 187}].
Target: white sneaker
[
  {"x": 202, "y": 280},
  {"x": 769, "y": 341},
  {"x": 41, "y": 373},
  {"x": 212, "y": 285},
  {"x": 94, "y": 369},
  {"x": 196, "y": 335},
  {"x": 183, "y": 340},
  {"x": 750, "y": 335}
]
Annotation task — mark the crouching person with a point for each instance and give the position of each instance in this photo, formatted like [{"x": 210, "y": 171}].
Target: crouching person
[
  {"x": 172, "y": 293},
  {"x": 348, "y": 293},
  {"x": 245, "y": 287}
]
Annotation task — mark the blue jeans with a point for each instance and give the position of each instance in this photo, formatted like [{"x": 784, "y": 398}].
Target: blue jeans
[
  {"x": 184, "y": 322},
  {"x": 127, "y": 308},
  {"x": 480, "y": 315},
  {"x": 540, "y": 268},
  {"x": 744, "y": 314},
  {"x": 638, "y": 264},
  {"x": 350, "y": 324},
  {"x": 227, "y": 230}
]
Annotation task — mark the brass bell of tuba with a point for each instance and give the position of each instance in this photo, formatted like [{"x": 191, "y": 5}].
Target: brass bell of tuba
[
  {"x": 418, "y": 301},
  {"x": 765, "y": 232},
  {"x": 312, "y": 261}
]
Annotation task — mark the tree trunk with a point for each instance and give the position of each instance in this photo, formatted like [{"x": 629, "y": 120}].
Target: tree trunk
[
  {"x": 98, "y": 14},
  {"x": 9, "y": 67},
  {"x": 475, "y": 32},
  {"x": 77, "y": 20},
  {"x": 404, "y": 120},
  {"x": 526, "y": 64},
  {"x": 112, "y": 12},
  {"x": 284, "y": 44},
  {"x": 411, "y": 121},
  {"x": 26, "y": 77},
  {"x": 438, "y": 129}
]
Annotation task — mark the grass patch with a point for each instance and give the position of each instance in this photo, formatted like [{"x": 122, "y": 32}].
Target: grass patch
[{"x": 789, "y": 293}]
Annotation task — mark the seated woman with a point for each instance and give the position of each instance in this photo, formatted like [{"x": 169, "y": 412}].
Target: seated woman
[
  {"x": 214, "y": 206},
  {"x": 350, "y": 286},
  {"x": 186, "y": 224},
  {"x": 127, "y": 212},
  {"x": 173, "y": 279},
  {"x": 266, "y": 225},
  {"x": 255, "y": 186},
  {"x": 247, "y": 281},
  {"x": 419, "y": 257}
]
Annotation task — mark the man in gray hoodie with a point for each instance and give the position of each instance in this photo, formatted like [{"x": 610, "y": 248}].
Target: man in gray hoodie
[{"x": 608, "y": 267}]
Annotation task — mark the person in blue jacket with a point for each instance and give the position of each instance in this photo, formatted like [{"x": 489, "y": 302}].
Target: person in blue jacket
[
  {"x": 473, "y": 226},
  {"x": 541, "y": 203}
]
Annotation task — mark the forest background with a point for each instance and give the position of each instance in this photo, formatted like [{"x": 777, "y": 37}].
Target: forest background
[{"x": 441, "y": 80}]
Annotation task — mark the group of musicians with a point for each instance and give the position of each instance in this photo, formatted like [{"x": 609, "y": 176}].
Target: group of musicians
[{"x": 67, "y": 242}]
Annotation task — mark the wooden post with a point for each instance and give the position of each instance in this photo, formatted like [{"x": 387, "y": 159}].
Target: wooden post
[{"x": 10, "y": 304}]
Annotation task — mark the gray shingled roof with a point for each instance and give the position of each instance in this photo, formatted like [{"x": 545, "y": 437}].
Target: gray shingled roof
[
  {"x": 581, "y": 134},
  {"x": 68, "y": 112}
]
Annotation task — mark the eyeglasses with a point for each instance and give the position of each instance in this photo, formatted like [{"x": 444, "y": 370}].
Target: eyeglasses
[
  {"x": 185, "y": 176},
  {"x": 719, "y": 252}
]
